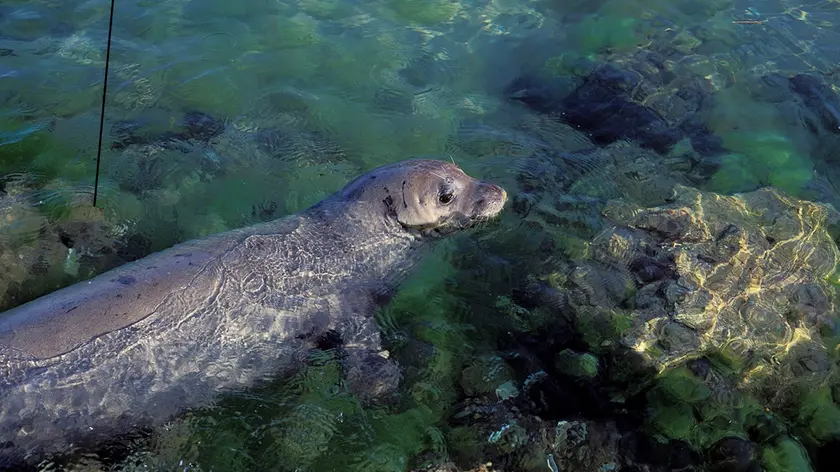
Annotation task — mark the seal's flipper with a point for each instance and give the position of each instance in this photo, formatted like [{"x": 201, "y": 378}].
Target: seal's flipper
[
  {"x": 371, "y": 375},
  {"x": 359, "y": 332},
  {"x": 367, "y": 370}
]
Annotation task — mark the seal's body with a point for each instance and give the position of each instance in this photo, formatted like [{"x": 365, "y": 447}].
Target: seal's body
[{"x": 142, "y": 343}]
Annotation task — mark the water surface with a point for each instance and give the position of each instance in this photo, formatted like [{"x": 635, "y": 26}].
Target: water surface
[{"x": 221, "y": 114}]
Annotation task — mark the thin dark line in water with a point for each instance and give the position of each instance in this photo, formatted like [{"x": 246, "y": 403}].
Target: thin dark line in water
[{"x": 104, "y": 93}]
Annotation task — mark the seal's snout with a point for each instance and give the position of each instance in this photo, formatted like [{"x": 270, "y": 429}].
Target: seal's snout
[{"x": 489, "y": 201}]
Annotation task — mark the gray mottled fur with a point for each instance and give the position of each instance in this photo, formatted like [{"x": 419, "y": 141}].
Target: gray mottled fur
[{"x": 137, "y": 345}]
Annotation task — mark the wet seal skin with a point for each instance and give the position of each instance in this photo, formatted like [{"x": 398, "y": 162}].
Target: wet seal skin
[{"x": 139, "y": 345}]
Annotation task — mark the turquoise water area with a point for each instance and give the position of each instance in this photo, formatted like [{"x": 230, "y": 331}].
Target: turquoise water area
[{"x": 222, "y": 114}]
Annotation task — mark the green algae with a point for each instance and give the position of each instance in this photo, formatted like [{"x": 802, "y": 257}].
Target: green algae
[
  {"x": 295, "y": 31},
  {"x": 721, "y": 417},
  {"x": 213, "y": 91},
  {"x": 303, "y": 435},
  {"x": 785, "y": 456},
  {"x": 570, "y": 63},
  {"x": 729, "y": 357},
  {"x": 466, "y": 444},
  {"x": 410, "y": 432},
  {"x": 308, "y": 186},
  {"x": 621, "y": 322},
  {"x": 584, "y": 365},
  {"x": 425, "y": 12},
  {"x": 595, "y": 34},
  {"x": 225, "y": 9},
  {"x": 20, "y": 143},
  {"x": 674, "y": 421},
  {"x": 484, "y": 375},
  {"x": 672, "y": 414},
  {"x": 326, "y": 9},
  {"x": 684, "y": 406},
  {"x": 735, "y": 175},
  {"x": 35, "y": 151},
  {"x": 762, "y": 155},
  {"x": 684, "y": 386},
  {"x": 820, "y": 415},
  {"x": 380, "y": 458},
  {"x": 601, "y": 328}
]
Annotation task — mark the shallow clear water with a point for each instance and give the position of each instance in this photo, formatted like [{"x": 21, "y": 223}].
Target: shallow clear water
[{"x": 222, "y": 114}]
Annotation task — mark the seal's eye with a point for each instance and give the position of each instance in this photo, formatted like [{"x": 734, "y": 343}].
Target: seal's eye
[{"x": 445, "y": 198}]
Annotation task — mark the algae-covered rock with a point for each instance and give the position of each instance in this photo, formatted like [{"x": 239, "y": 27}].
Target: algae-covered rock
[
  {"x": 744, "y": 274},
  {"x": 563, "y": 205},
  {"x": 732, "y": 454},
  {"x": 32, "y": 256},
  {"x": 576, "y": 364},
  {"x": 685, "y": 386},
  {"x": 820, "y": 415},
  {"x": 505, "y": 439},
  {"x": 597, "y": 33},
  {"x": 485, "y": 375},
  {"x": 302, "y": 436},
  {"x": 730, "y": 299},
  {"x": 585, "y": 446},
  {"x": 19, "y": 222},
  {"x": 674, "y": 421},
  {"x": 632, "y": 98},
  {"x": 786, "y": 455}
]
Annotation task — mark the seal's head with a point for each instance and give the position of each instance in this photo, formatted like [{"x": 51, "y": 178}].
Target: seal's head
[{"x": 428, "y": 197}]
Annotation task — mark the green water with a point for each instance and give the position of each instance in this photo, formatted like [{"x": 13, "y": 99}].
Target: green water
[{"x": 315, "y": 92}]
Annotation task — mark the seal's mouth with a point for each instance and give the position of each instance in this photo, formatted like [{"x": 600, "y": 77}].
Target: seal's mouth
[{"x": 489, "y": 199}]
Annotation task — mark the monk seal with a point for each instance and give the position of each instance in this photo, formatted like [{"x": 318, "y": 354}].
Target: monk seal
[{"x": 142, "y": 343}]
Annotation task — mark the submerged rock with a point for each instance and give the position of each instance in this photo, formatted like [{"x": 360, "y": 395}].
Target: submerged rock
[
  {"x": 819, "y": 99},
  {"x": 729, "y": 298},
  {"x": 576, "y": 364},
  {"x": 24, "y": 254},
  {"x": 193, "y": 126},
  {"x": 507, "y": 440},
  {"x": 744, "y": 273},
  {"x": 785, "y": 455},
  {"x": 485, "y": 375},
  {"x": 611, "y": 104},
  {"x": 48, "y": 237},
  {"x": 733, "y": 454}
]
